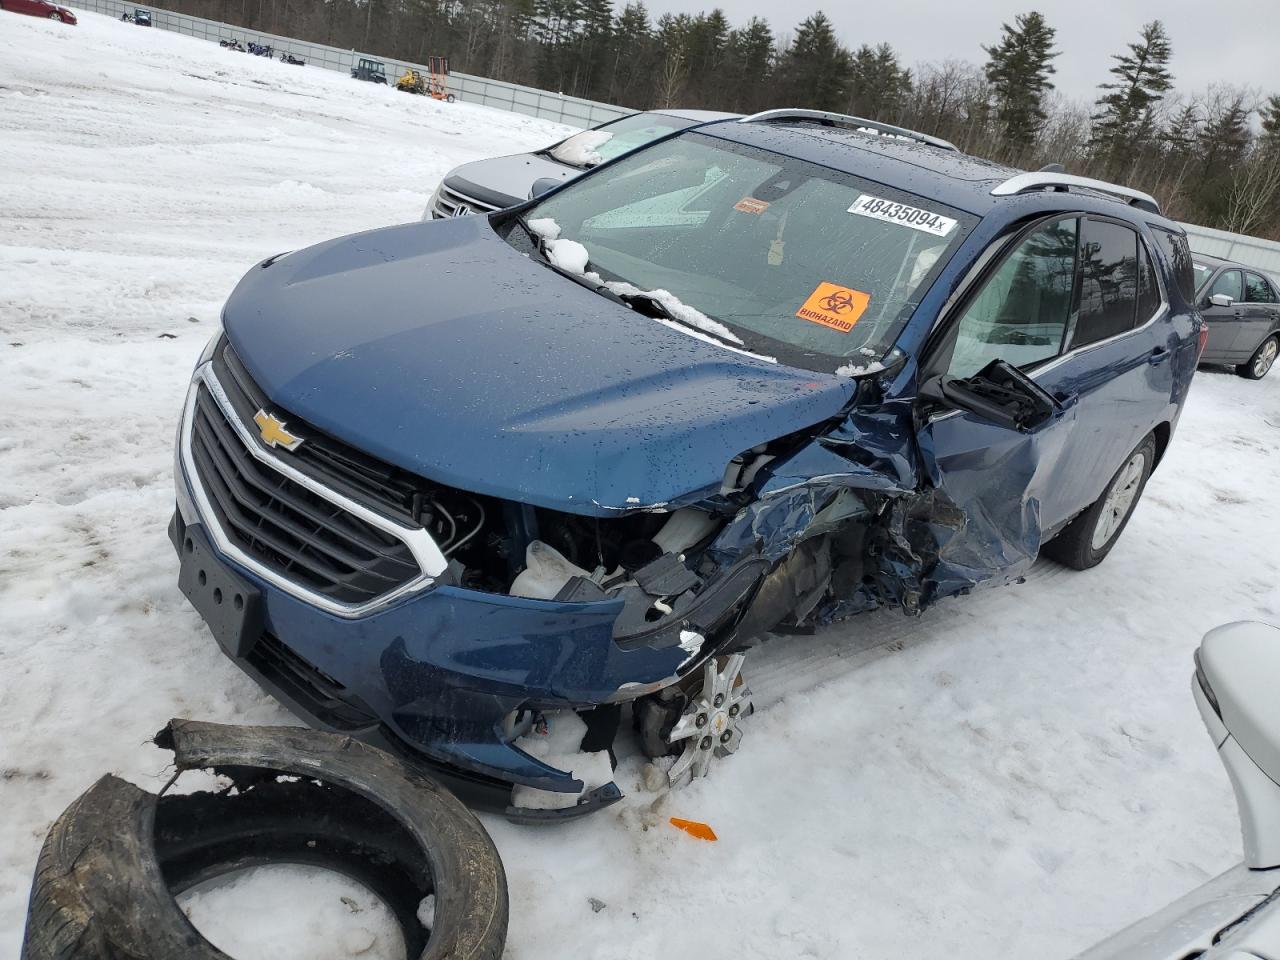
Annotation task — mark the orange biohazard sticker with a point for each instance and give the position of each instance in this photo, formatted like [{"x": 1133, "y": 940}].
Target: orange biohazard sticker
[
  {"x": 834, "y": 306},
  {"x": 751, "y": 205}
]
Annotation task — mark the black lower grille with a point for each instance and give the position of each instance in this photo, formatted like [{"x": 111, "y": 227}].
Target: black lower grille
[
  {"x": 286, "y": 527},
  {"x": 308, "y": 686}
]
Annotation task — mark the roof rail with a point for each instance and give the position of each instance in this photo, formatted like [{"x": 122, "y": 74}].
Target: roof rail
[
  {"x": 1042, "y": 180},
  {"x": 853, "y": 123}
]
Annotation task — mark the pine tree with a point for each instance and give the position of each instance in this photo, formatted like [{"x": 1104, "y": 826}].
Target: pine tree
[
  {"x": 814, "y": 70},
  {"x": 1126, "y": 119},
  {"x": 1018, "y": 69},
  {"x": 672, "y": 39},
  {"x": 1223, "y": 146},
  {"x": 878, "y": 83},
  {"x": 632, "y": 44},
  {"x": 1225, "y": 136},
  {"x": 596, "y": 31},
  {"x": 707, "y": 42},
  {"x": 1183, "y": 131},
  {"x": 749, "y": 65},
  {"x": 1270, "y": 112}
]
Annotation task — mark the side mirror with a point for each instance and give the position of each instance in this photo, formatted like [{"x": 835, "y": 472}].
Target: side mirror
[
  {"x": 1220, "y": 300},
  {"x": 542, "y": 185},
  {"x": 999, "y": 393}
]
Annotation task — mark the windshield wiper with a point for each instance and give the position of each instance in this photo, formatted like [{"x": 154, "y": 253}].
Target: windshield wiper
[
  {"x": 650, "y": 306},
  {"x": 538, "y": 240},
  {"x": 540, "y": 245}
]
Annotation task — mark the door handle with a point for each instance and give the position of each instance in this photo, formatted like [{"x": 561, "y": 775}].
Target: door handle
[{"x": 1158, "y": 355}]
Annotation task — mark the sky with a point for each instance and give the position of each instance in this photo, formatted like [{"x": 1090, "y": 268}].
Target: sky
[{"x": 1227, "y": 41}]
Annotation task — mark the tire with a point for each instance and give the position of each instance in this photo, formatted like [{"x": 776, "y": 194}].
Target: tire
[
  {"x": 106, "y": 877},
  {"x": 1086, "y": 540},
  {"x": 56, "y": 16},
  {"x": 1262, "y": 360}
]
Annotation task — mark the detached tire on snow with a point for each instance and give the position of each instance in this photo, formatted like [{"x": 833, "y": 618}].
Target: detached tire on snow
[
  {"x": 1086, "y": 540},
  {"x": 112, "y": 863}
]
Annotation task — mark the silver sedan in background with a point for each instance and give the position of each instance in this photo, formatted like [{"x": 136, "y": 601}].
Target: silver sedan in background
[{"x": 498, "y": 182}]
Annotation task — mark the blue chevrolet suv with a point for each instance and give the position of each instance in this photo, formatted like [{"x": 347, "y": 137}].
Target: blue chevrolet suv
[{"x": 469, "y": 488}]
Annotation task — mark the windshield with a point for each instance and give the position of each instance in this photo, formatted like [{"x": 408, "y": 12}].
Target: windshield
[
  {"x": 1203, "y": 273},
  {"x": 811, "y": 266},
  {"x": 593, "y": 147}
]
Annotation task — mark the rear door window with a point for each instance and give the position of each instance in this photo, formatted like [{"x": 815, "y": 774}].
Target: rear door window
[
  {"x": 1228, "y": 283},
  {"x": 1175, "y": 248},
  {"x": 1149, "y": 299},
  {"x": 1108, "y": 281},
  {"x": 1257, "y": 290}
]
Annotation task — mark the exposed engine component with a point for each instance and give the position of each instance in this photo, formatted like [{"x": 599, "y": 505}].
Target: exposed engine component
[{"x": 546, "y": 572}]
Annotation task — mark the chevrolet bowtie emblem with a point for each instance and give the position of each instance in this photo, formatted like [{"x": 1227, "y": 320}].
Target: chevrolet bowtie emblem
[{"x": 273, "y": 433}]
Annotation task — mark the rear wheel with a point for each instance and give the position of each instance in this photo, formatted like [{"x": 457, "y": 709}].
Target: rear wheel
[
  {"x": 56, "y": 16},
  {"x": 1086, "y": 540},
  {"x": 1262, "y": 360}
]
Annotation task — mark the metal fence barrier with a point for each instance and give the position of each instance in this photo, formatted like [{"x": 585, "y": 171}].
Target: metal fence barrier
[
  {"x": 512, "y": 97},
  {"x": 1251, "y": 251}
]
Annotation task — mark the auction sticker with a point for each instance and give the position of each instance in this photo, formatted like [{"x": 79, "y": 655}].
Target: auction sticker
[
  {"x": 892, "y": 212},
  {"x": 834, "y": 306},
  {"x": 751, "y": 205}
]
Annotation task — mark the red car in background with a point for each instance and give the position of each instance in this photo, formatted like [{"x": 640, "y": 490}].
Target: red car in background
[{"x": 39, "y": 8}]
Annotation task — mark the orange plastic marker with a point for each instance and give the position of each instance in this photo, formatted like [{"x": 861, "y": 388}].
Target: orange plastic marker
[{"x": 694, "y": 828}]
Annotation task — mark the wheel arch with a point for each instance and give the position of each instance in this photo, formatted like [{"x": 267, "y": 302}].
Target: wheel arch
[{"x": 1163, "y": 433}]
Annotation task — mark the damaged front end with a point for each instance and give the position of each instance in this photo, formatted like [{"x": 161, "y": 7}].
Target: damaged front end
[
  {"x": 640, "y": 511},
  {"x": 536, "y": 613}
]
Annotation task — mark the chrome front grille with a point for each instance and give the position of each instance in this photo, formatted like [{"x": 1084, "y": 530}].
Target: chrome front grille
[
  {"x": 451, "y": 203},
  {"x": 281, "y": 522}
]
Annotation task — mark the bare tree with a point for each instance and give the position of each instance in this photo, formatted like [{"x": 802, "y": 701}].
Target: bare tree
[
  {"x": 1254, "y": 189},
  {"x": 671, "y": 78}
]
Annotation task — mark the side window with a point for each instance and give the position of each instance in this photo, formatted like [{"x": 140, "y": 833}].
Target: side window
[
  {"x": 1175, "y": 248},
  {"x": 1257, "y": 290},
  {"x": 1148, "y": 286},
  {"x": 1228, "y": 283},
  {"x": 1108, "y": 281},
  {"x": 1020, "y": 315}
]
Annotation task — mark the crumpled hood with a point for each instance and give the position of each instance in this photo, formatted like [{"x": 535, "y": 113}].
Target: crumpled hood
[{"x": 439, "y": 348}]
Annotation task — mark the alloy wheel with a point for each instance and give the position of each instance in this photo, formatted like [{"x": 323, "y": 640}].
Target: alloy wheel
[
  {"x": 1266, "y": 357},
  {"x": 1120, "y": 500},
  {"x": 709, "y": 727}
]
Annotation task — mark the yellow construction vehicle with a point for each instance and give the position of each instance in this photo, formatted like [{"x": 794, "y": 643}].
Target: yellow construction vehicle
[{"x": 411, "y": 81}]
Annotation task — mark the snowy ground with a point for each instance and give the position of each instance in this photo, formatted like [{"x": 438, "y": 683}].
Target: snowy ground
[{"x": 1015, "y": 774}]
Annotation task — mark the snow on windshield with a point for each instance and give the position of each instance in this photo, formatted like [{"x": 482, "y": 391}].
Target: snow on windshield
[
  {"x": 581, "y": 150},
  {"x": 677, "y": 308}
]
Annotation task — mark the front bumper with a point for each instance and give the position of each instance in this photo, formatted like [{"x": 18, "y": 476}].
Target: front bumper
[{"x": 440, "y": 671}]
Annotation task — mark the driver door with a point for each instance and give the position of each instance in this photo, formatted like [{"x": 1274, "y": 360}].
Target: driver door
[
  {"x": 1005, "y": 480},
  {"x": 1226, "y": 322}
]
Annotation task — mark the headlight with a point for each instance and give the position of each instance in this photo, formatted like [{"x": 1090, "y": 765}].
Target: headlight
[
  {"x": 431, "y": 204},
  {"x": 207, "y": 353}
]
